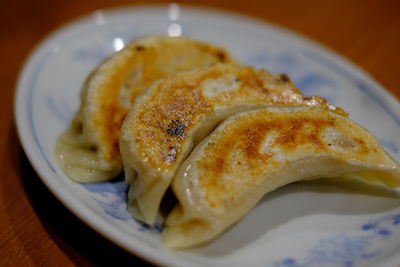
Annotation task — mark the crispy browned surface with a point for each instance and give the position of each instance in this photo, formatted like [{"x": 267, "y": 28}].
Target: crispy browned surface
[
  {"x": 154, "y": 61},
  {"x": 235, "y": 160},
  {"x": 178, "y": 104}
]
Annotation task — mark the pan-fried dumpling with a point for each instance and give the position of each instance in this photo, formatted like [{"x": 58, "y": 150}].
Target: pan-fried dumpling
[
  {"x": 89, "y": 150},
  {"x": 176, "y": 113},
  {"x": 255, "y": 152}
]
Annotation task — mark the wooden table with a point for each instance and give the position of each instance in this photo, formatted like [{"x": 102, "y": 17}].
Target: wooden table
[{"x": 35, "y": 229}]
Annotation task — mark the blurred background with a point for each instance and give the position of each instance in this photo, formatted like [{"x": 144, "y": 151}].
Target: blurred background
[{"x": 35, "y": 229}]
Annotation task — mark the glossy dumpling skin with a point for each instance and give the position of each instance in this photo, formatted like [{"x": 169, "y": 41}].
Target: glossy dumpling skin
[
  {"x": 89, "y": 150},
  {"x": 179, "y": 111},
  {"x": 255, "y": 152}
]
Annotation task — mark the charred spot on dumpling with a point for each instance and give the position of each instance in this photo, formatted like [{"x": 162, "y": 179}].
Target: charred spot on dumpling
[
  {"x": 221, "y": 56},
  {"x": 77, "y": 127},
  {"x": 284, "y": 78},
  {"x": 140, "y": 48},
  {"x": 176, "y": 128},
  {"x": 93, "y": 148}
]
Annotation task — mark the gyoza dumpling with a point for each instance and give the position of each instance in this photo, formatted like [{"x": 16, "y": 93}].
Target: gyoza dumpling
[
  {"x": 89, "y": 150},
  {"x": 255, "y": 152},
  {"x": 176, "y": 113}
]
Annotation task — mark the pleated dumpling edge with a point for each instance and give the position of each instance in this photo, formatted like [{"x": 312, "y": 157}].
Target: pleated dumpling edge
[
  {"x": 88, "y": 151},
  {"x": 256, "y": 152},
  {"x": 176, "y": 113}
]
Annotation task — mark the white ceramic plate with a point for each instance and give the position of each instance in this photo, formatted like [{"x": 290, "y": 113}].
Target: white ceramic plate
[{"x": 298, "y": 225}]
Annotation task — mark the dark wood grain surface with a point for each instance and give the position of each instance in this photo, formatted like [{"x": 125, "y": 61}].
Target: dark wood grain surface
[{"x": 35, "y": 229}]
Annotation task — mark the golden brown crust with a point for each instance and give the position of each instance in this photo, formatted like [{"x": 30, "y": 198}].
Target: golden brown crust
[
  {"x": 245, "y": 140},
  {"x": 113, "y": 86},
  {"x": 111, "y": 114},
  {"x": 255, "y": 152},
  {"x": 241, "y": 149},
  {"x": 177, "y": 105}
]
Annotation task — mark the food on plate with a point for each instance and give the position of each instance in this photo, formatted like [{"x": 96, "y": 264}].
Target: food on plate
[
  {"x": 177, "y": 112},
  {"x": 145, "y": 108},
  {"x": 255, "y": 152},
  {"x": 89, "y": 150}
]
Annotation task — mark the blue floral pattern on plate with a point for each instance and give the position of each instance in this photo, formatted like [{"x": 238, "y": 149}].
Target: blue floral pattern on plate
[{"x": 348, "y": 250}]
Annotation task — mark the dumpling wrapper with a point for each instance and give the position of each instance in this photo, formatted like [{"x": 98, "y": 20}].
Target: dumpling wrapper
[
  {"x": 179, "y": 111},
  {"x": 256, "y": 152},
  {"x": 89, "y": 150}
]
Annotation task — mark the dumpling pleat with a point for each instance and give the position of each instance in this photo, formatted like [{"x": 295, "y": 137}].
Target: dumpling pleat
[{"x": 256, "y": 152}]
